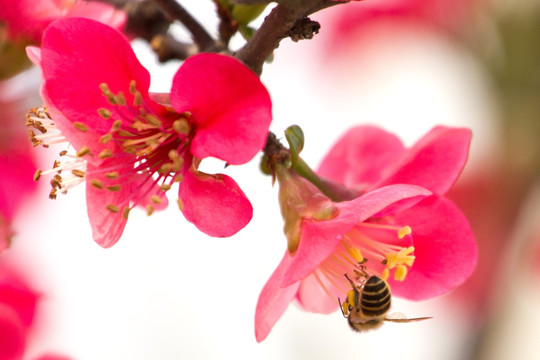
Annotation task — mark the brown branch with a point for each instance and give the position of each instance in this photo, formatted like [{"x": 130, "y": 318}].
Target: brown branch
[
  {"x": 277, "y": 26},
  {"x": 202, "y": 38}
]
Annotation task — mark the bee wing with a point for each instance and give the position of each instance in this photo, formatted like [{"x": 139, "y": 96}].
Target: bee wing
[{"x": 401, "y": 318}]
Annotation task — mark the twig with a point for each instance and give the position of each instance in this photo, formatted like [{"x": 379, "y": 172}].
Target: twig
[
  {"x": 202, "y": 38},
  {"x": 277, "y": 26}
]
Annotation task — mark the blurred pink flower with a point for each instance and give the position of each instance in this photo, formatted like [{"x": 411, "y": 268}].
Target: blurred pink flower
[
  {"x": 16, "y": 163},
  {"x": 22, "y": 23},
  {"x": 17, "y": 307},
  {"x": 28, "y": 18},
  {"x": 350, "y": 26},
  {"x": 410, "y": 230},
  {"x": 133, "y": 145}
]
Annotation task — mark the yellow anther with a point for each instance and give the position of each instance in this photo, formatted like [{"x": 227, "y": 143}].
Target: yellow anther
[
  {"x": 104, "y": 113},
  {"x": 80, "y": 126},
  {"x": 401, "y": 273},
  {"x": 137, "y": 99},
  {"x": 391, "y": 260},
  {"x": 178, "y": 178},
  {"x": 106, "y": 153},
  {"x": 150, "y": 209},
  {"x": 165, "y": 187},
  {"x": 96, "y": 183},
  {"x": 153, "y": 120},
  {"x": 116, "y": 125},
  {"x": 132, "y": 87},
  {"x": 125, "y": 212},
  {"x": 105, "y": 138},
  {"x": 114, "y": 187},
  {"x": 78, "y": 173},
  {"x": 104, "y": 88},
  {"x": 356, "y": 254},
  {"x": 180, "y": 204},
  {"x": 63, "y": 152},
  {"x": 84, "y": 151},
  {"x": 182, "y": 126},
  {"x": 113, "y": 208},
  {"x": 112, "y": 175},
  {"x": 37, "y": 175},
  {"x": 165, "y": 168},
  {"x": 156, "y": 199},
  {"x": 402, "y": 232},
  {"x": 120, "y": 99},
  {"x": 173, "y": 154},
  {"x": 385, "y": 274}
]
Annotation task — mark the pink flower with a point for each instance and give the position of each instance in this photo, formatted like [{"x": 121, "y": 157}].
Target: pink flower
[
  {"x": 28, "y": 18},
  {"x": 132, "y": 146},
  {"x": 22, "y": 23},
  {"x": 400, "y": 228},
  {"x": 17, "y": 307}
]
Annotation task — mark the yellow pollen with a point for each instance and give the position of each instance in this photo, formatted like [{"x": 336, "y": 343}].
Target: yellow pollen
[
  {"x": 113, "y": 208},
  {"x": 114, "y": 187},
  {"x": 112, "y": 175},
  {"x": 107, "y": 153},
  {"x": 180, "y": 204},
  {"x": 156, "y": 199},
  {"x": 37, "y": 175},
  {"x": 356, "y": 254},
  {"x": 401, "y": 272},
  {"x": 385, "y": 274},
  {"x": 125, "y": 212},
  {"x": 84, "y": 151},
  {"x": 104, "y": 113},
  {"x": 96, "y": 183},
  {"x": 150, "y": 209},
  {"x": 80, "y": 126},
  {"x": 105, "y": 138},
  {"x": 107, "y": 93},
  {"x": 182, "y": 126},
  {"x": 406, "y": 230},
  {"x": 78, "y": 173},
  {"x": 178, "y": 178}
]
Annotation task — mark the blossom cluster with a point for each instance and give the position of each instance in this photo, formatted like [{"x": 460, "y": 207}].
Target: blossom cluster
[{"x": 373, "y": 207}]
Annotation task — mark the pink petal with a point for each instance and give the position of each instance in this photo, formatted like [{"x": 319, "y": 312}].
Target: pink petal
[
  {"x": 107, "y": 227},
  {"x": 230, "y": 106},
  {"x": 445, "y": 249},
  {"x": 12, "y": 334},
  {"x": 313, "y": 298},
  {"x": 320, "y": 238},
  {"x": 215, "y": 204},
  {"x": 17, "y": 168},
  {"x": 434, "y": 162},
  {"x": 273, "y": 301},
  {"x": 360, "y": 156},
  {"x": 77, "y": 56}
]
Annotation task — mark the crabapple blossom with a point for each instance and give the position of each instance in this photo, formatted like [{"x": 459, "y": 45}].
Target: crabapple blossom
[
  {"x": 132, "y": 146},
  {"x": 400, "y": 228}
]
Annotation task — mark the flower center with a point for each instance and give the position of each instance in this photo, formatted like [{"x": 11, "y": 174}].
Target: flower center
[
  {"x": 144, "y": 141},
  {"x": 367, "y": 249}
]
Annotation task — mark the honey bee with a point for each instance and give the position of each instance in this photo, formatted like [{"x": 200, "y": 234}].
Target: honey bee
[{"x": 366, "y": 306}]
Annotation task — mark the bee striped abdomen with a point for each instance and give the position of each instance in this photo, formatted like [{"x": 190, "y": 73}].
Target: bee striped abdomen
[{"x": 375, "y": 299}]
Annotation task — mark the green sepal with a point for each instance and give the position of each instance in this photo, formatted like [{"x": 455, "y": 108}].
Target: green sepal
[{"x": 295, "y": 138}]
